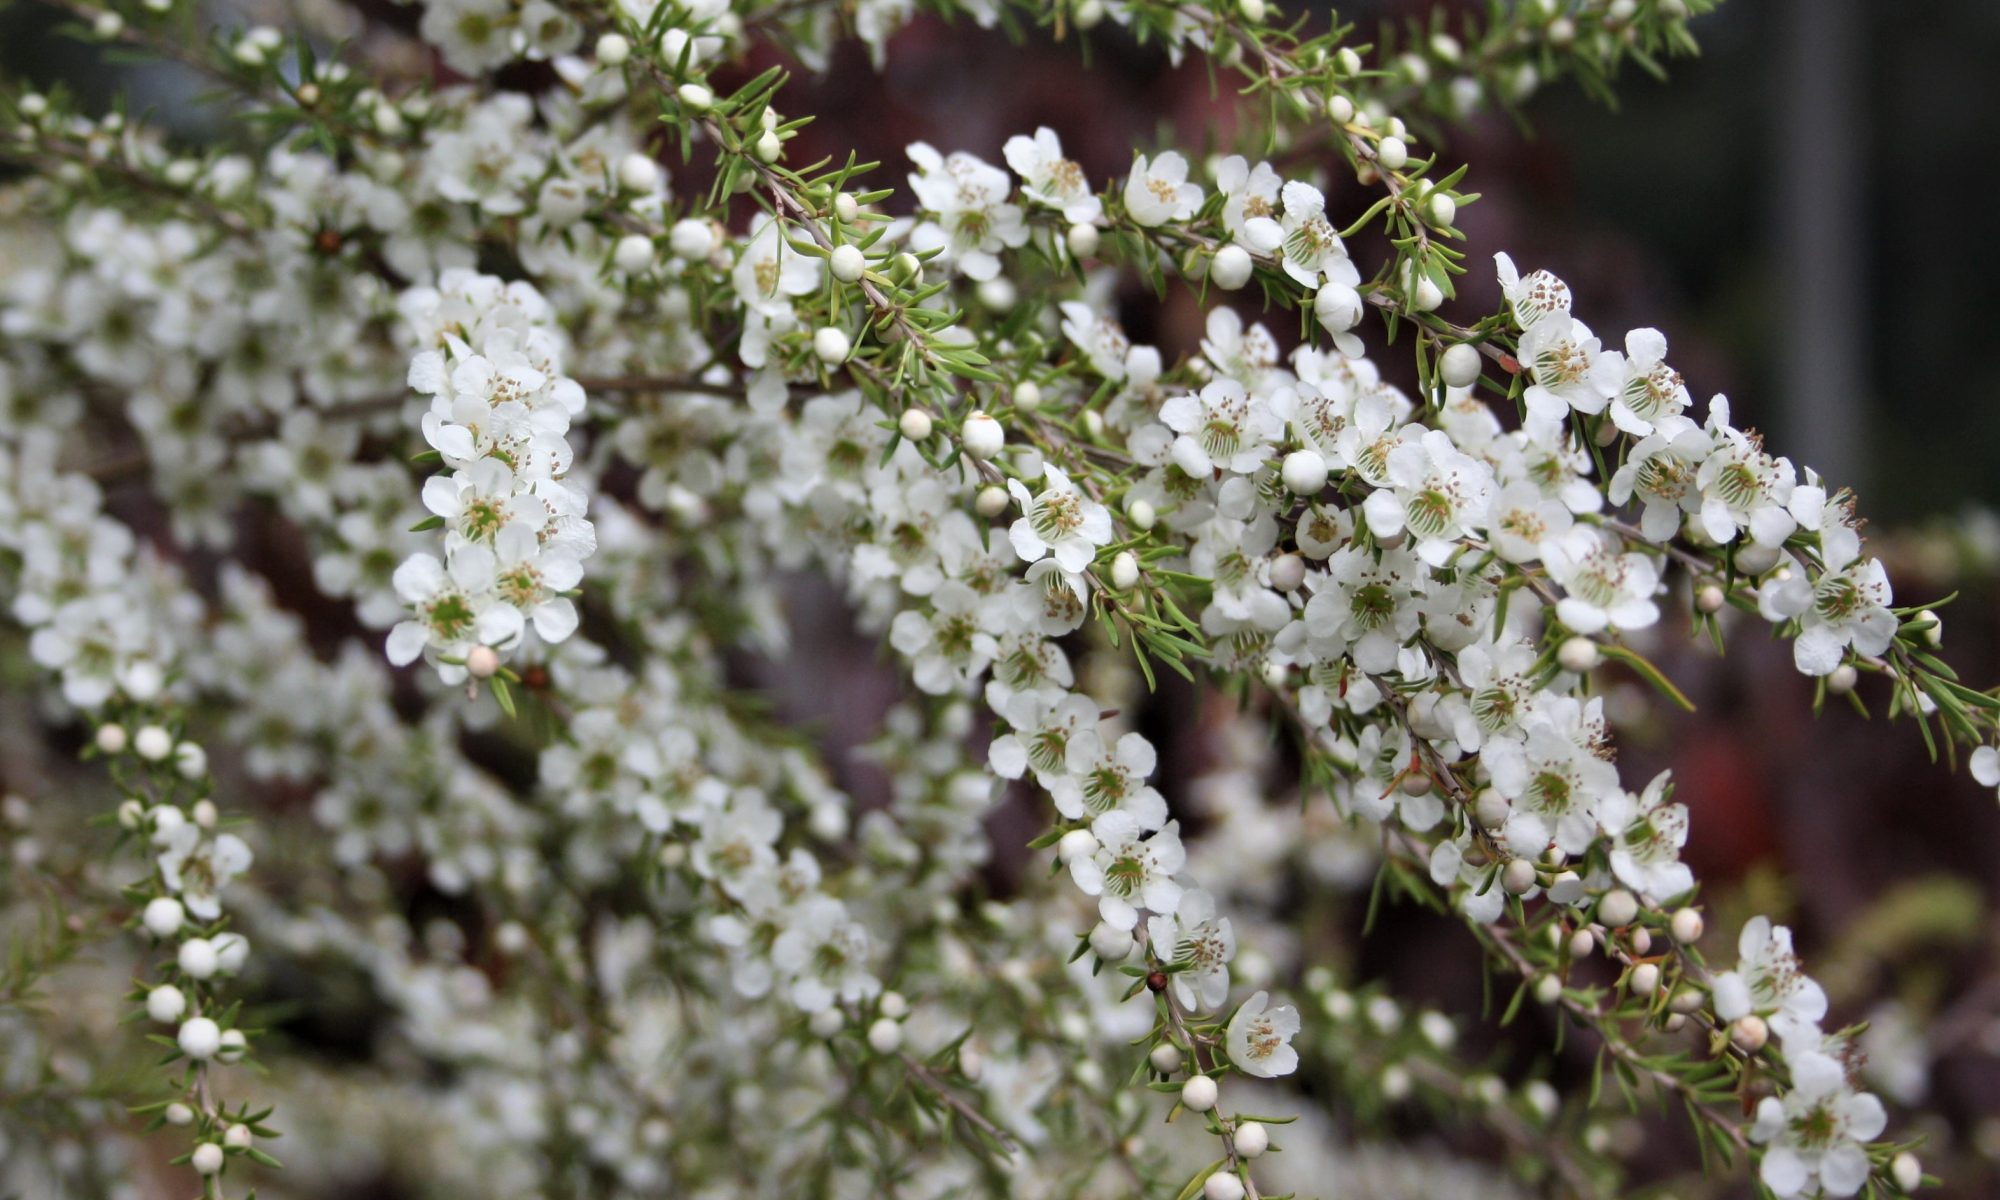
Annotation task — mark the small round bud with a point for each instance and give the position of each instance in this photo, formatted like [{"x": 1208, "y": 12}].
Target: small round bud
[
  {"x": 1338, "y": 307},
  {"x": 1088, "y": 14},
  {"x": 1426, "y": 296},
  {"x": 166, "y": 1004},
  {"x": 1252, "y": 10},
  {"x": 190, "y": 760},
  {"x": 232, "y": 950},
  {"x": 827, "y": 1022},
  {"x": 1518, "y": 876},
  {"x": 1223, "y": 1186},
  {"x": 1645, "y": 979},
  {"x": 1077, "y": 843},
  {"x": 1392, "y": 153},
  {"x": 153, "y": 742},
  {"x": 1642, "y": 940},
  {"x": 1231, "y": 268},
  {"x": 178, "y": 1114},
  {"x": 1460, "y": 365},
  {"x": 1443, "y": 209},
  {"x": 234, "y": 1046},
  {"x": 1686, "y": 926},
  {"x": 1252, "y": 1139},
  {"x": 131, "y": 814},
  {"x": 696, "y": 97},
  {"x": 1843, "y": 679},
  {"x": 1755, "y": 560},
  {"x": 1304, "y": 472},
  {"x": 907, "y": 268},
  {"x": 1906, "y": 1171},
  {"x": 1578, "y": 654},
  {"x": 1416, "y": 783},
  {"x": 111, "y": 738},
  {"x": 885, "y": 1036},
  {"x": 197, "y": 958},
  {"x": 163, "y": 916},
  {"x": 981, "y": 435},
  {"x": 832, "y": 347},
  {"x": 691, "y": 238},
  {"x": 1027, "y": 394},
  {"x": 1582, "y": 943},
  {"x": 613, "y": 50},
  {"x": 1339, "y": 109},
  {"x": 33, "y": 104},
  {"x": 1674, "y": 1023},
  {"x": 205, "y": 813},
  {"x": 769, "y": 146},
  {"x": 1618, "y": 908},
  {"x": 1933, "y": 635},
  {"x": 847, "y": 263},
  {"x": 109, "y": 25},
  {"x": 1491, "y": 808},
  {"x": 638, "y": 173},
  {"x": 1166, "y": 1058},
  {"x": 207, "y": 1159},
  {"x": 1110, "y": 943},
  {"x": 145, "y": 679},
  {"x": 1288, "y": 572},
  {"x": 1750, "y": 1033},
  {"x": 1548, "y": 989},
  {"x": 1142, "y": 515},
  {"x": 633, "y": 254},
  {"x": 1395, "y": 1082},
  {"x": 1124, "y": 570},
  {"x": 846, "y": 207},
  {"x": 1082, "y": 240},
  {"x": 991, "y": 501},
  {"x": 914, "y": 424},
  {"x": 1709, "y": 598},
  {"x": 1198, "y": 1093},
  {"x": 1686, "y": 1000},
  {"x": 238, "y": 1137},
  {"x": 482, "y": 662},
  {"x": 893, "y": 1005},
  {"x": 199, "y": 1038}
]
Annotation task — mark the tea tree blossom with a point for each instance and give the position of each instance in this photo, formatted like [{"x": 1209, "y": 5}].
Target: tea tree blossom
[{"x": 1260, "y": 1037}]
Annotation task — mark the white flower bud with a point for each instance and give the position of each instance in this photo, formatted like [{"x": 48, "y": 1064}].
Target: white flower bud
[
  {"x": 1491, "y": 809},
  {"x": 205, "y": 813},
  {"x": 1934, "y": 635},
  {"x": 1141, "y": 514},
  {"x": 1443, "y": 209},
  {"x": 1460, "y": 365},
  {"x": 109, "y": 25},
  {"x": 1518, "y": 876},
  {"x": 1395, "y": 1082},
  {"x": 1578, "y": 654},
  {"x": 1709, "y": 598},
  {"x": 483, "y": 662},
  {"x": 238, "y": 1137},
  {"x": 1082, "y": 239},
  {"x": 633, "y": 253},
  {"x": 1843, "y": 679},
  {"x": 1906, "y": 1171},
  {"x": 190, "y": 760},
  {"x": 232, "y": 950},
  {"x": 178, "y": 1114},
  {"x": 691, "y": 238},
  {"x": 1231, "y": 268},
  {"x": 1338, "y": 307},
  {"x": 1686, "y": 926},
  {"x": 638, "y": 173},
  {"x": 893, "y": 1005},
  {"x": 1252, "y": 1139},
  {"x": 1223, "y": 1185},
  {"x": 1687, "y": 1000},
  {"x": 131, "y": 814},
  {"x": 1110, "y": 943},
  {"x": 1755, "y": 560},
  {"x": 827, "y": 1022},
  {"x": 1198, "y": 1094},
  {"x": 1426, "y": 296},
  {"x": 111, "y": 738},
  {"x": 769, "y": 145},
  {"x": 1645, "y": 979},
  {"x": 166, "y": 819},
  {"x": 1416, "y": 783},
  {"x": 991, "y": 501},
  {"x": 1288, "y": 572},
  {"x": 1339, "y": 109},
  {"x": 613, "y": 50},
  {"x": 885, "y": 1036},
  {"x": 1618, "y": 908},
  {"x": 1124, "y": 570},
  {"x": 1165, "y": 1057},
  {"x": 199, "y": 1038},
  {"x": 234, "y": 1046},
  {"x": 1392, "y": 153},
  {"x": 833, "y": 348},
  {"x": 207, "y": 1159},
  {"x": 1548, "y": 989},
  {"x": 846, "y": 207},
  {"x": 164, "y": 916},
  {"x": 914, "y": 424},
  {"x": 1642, "y": 940},
  {"x": 197, "y": 958},
  {"x": 847, "y": 263},
  {"x": 1304, "y": 472},
  {"x": 1581, "y": 943},
  {"x": 144, "y": 679},
  {"x": 981, "y": 435},
  {"x": 153, "y": 743},
  {"x": 695, "y": 96},
  {"x": 1750, "y": 1033},
  {"x": 166, "y": 1004}
]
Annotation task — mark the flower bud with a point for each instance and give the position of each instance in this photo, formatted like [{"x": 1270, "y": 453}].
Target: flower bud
[
  {"x": 1426, "y": 296},
  {"x": 914, "y": 424},
  {"x": 1252, "y": 1138},
  {"x": 166, "y": 1004},
  {"x": 1110, "y": 943},
  {"x": 1709, "y": 598},
  {"x": 1339, "y": 109},
  {"x": 111, "y": 738},
  {"x": 1338, "y": 307},
  {"x": 190, "y": 760},
  {"x": 1124, "y": 570},
  {"x": 847, "y": 263},
  {"x": 232, "y": 950},
  {"x": 1392, "y": 153},
  {"x": 1906, "y": 1171},
  {"x": 1645, "y": 979},
  {"x": 178, "y": 1114},
  {"x": 1618, "y": 908},
  {"x": 1443, "y": 209},
  {"x": 1141, "y": 514},
  {"x": 234, "y": 1046},
  {"x": 1199, "y": 1093},
  {"x": 1165, "y": 1057},
  {"x": 1686, "y": 925},
  {"x": 1548, "y": 989},
  {"x": 199, "y": 1038},
  {"x": 482, "y": 662},
  {"x": 153, "y": 743},
  {"x": 1231, "y": 268},
  {"x": 827, "y": 1022},
  {"x": 885, "y": 1036},
  {"x": 1518, "y": 876},
  {"x": 1223, "y": 1185},
  {"x": 633, "y": 254},
  {"x": 1304, "y": 472},
  {"x": 207, "y": 1159},
  {"x": 832, "y": 347},
  {"x": 1082, "y": 239},
  {"x": 981, "y": 435},
  {"x": 1750, "y": 1033},
  {"x": 163, "y": 916},
  {"x": 1578, "y": 654},
  {"x": 638, "y": 173},
  {"x": 1460, "y": 365},
  {"x": 893, "y": 1005},
  {"x": 695, "y": 97},
  {"x": 1843, "y": 679},
  {"x": 1755, "y": 560},
  {"x": 991, "y": 501},
  {"x": 769, "y": 146},
  {"x": 613, "y": 50},
  {"x": 197, "y": 958},
  {"x": 238, "y": 1137},
  {"x": 1288, "y": 572},
  {"x": 1933, "y": 635}
]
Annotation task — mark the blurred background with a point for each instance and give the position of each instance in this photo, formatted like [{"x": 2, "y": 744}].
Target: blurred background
[{"x": 1804, "y": 212}]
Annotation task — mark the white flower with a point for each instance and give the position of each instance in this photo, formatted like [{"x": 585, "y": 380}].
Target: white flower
[
  {"x": 1742, "y": 487},
  {"x": 1225, "y": 427},
  {"x": 1561, "y": 355},
  {"x": 1647, "y": 833},
  {"x": 769, "y": 272},
  {"x": 1158, "y": 191},
  {"x": 1769, "y": 982},
  {"x": 1521, "y": 519},
  {"x": 1552, "y": 776},
  {"x": 453, "y": 608},
  {"x": 1313, "y": 251},
  {"x": 1130, "y": 870},
  {"x": 197, "y": 867},
  {"x": 1437, "y": 492},
  {"x": 1533, "y": 298},
  {"x": 1847, "y": 605},
  {"x": 1043, "y": 724},
  {"x": 1058, "y": 520},
  {"x": 1049, "y": 178},
  {"x": 968, "y": 198},
  {"x": 1818, "y": 1132},
  {"x": 1250, "y": 203},
  {"x": 1661, "y": 471},
  {"x": 825, "y": 953},
  {"x": 1650, "y": 389},
  {"x": 1260, "y": 1039},
  {"x": 532, "y": 578},
  {"x": 475, "y": 36},
  {"x": 1103, "y": 778},
  {"x": 951, "y": 647},
  {"x": 1605, "y": 587},
  {"x": 1201, "y": 944}
]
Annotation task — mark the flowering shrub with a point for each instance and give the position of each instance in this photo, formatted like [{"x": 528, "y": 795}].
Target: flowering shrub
[{"x": 549, "y": 425}]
